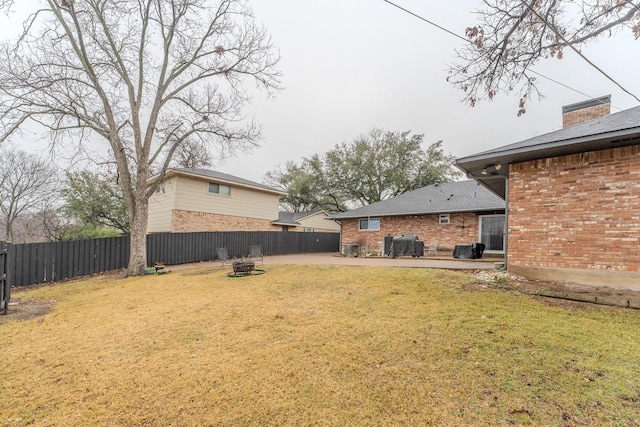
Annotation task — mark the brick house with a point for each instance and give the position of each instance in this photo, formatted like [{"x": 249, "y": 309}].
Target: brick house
[
  {"x": 191, "y": 200},
  {"x": 573, "y": 197},
  {"x": 447, "y": 214}
]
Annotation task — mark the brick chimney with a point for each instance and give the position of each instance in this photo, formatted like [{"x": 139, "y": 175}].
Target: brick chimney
[{"x": 587, "y": 110}]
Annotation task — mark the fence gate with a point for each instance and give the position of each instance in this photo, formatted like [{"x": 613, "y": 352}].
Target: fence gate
[{"x": 5, "y": 291}]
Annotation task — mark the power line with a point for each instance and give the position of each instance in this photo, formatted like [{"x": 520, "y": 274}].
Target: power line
[
  {"x": 532, "y": 71},
  {"x": 570, "y": 88},
  {"x": 426, "y": 20},
  {"x": 555, "y": 30}
]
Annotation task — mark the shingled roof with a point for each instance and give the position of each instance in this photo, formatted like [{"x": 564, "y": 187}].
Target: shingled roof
[
  {"x": 462, "y": 196},
  {"x": 615, "y": 130}
]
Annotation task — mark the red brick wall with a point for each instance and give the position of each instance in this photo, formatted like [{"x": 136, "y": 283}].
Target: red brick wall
[
  {"x": 189, "y": 221},
  {"x": 580, "y": 211},
  {"x": 462, "y": 230},
  {"x": 585, "y": 114}
]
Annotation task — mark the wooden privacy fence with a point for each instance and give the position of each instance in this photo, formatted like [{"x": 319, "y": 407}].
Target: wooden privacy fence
[
  {"x": 181, "y": 248},
  {"x": 5, "y": 289},
  {"x": 33, "y": 263}
]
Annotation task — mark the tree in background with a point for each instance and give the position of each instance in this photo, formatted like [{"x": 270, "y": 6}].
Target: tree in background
[
  {"x": 28, "y": 184},
  {"x": 514, "y": 35},
  {"x": 95, "y": 203},
  {"x": 140, "y": 76},
  {"x": 373, "y": 167},
  {"x": 52, "y": 225},
  {"x": 305, "y": 185},
  {"x": 382, "y": 164}
]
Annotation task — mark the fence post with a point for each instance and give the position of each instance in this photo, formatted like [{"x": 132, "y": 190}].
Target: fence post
[{"x": 5, "y": 287}]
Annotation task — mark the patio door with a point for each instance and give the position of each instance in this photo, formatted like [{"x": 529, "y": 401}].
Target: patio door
[{"x": 492, "y": 232}]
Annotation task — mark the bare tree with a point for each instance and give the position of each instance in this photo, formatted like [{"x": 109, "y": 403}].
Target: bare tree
[
  {"x": 142, "y": 76},
  {"x": 28, "y": 184},
  {"x": 513, "y": 35},
  {"x": 54, "y": 226},
  {"x": 192, "y": 154}
]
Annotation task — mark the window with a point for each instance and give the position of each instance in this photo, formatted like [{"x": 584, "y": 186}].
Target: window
[
  {"x": 444, "y": 219},
  {"x": 309, "y": 230},
  {"x": 369, "y": 224},
  {"x": 225, "y": 190},
  {"x": 492, "y": 232}
]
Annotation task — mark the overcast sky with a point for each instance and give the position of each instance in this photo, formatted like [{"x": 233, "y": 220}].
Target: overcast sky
[{"x": 352, "y": 65}]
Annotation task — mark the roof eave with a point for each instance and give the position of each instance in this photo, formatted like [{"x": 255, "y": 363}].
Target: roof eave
[
  {"x": 474, "y": 166},
  {"x": 379, "y": 215},
  {"x": 276, "y": 222},
  {"x": 557, "y": 148},
  {"x": 170, "y": 172}
]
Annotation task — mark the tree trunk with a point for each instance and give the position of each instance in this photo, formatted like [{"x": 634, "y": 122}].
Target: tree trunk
[
  {"x": 9, "y": 237},
  {"x": 138, "y": 238}
]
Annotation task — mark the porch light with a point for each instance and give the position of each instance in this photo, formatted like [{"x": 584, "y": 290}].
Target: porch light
[{"x": 492, "y": 169}]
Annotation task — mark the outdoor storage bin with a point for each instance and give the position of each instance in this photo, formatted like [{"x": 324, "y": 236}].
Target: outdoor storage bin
[{"x": 472, "y": 251}]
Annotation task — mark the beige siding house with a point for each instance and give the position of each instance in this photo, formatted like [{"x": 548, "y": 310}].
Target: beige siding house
[
  {"x": 193, "y": 200},
  {"x": 316, "y": 221}
]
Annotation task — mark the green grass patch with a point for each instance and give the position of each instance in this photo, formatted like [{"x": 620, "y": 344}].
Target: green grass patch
[{"x": 315, "y": 345}]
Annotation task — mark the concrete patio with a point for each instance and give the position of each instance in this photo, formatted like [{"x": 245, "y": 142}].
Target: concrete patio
[{"x": 333, "y": 258}]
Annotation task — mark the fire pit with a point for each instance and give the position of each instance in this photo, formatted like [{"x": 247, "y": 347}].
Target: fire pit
[{"x": 243, "y": 266}]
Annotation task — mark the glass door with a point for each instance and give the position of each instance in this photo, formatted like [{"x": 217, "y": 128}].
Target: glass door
[{"x": 492, "y": 232}]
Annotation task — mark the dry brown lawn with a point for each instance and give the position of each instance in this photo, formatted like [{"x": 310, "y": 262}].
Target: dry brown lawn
[{"x": 314, "y": 346}]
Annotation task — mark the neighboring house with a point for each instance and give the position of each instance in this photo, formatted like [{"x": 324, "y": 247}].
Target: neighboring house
[
  {"x": 191, "y": 200},
  {"x": 316, "y": 220},
  {"x": 573, "y": 197},
  {"x": 448, "y": 214}
]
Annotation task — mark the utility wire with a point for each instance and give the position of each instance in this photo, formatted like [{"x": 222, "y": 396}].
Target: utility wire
[
  {"x": 426, "y": 20},
  {"x": 555, "y": 30},
  {"x": 570, "y": 88},
  {"x": 532, "y": 71}
]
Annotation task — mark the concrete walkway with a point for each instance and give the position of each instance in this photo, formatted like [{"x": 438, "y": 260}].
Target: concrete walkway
[{"x": 335, "y": 259}]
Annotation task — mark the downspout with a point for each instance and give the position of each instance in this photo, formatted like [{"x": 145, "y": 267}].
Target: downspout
[
  {"x": 366, "y": 242},
  {"x": 505, "y": 231},
  {"x": 506, "y": 220},
  {"x": 340, "y": 251}
]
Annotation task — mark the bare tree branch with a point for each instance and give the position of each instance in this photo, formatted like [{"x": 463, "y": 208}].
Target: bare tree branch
[
  {"x": 27, "y": 186},
  {"x": 512, "y": 36}
]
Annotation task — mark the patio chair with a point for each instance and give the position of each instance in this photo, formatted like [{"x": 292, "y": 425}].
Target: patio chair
[
  {"x": 255, "y": 252},
  {"x": 223, "y": 256},
  {"x": 432, "y": 249}
]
